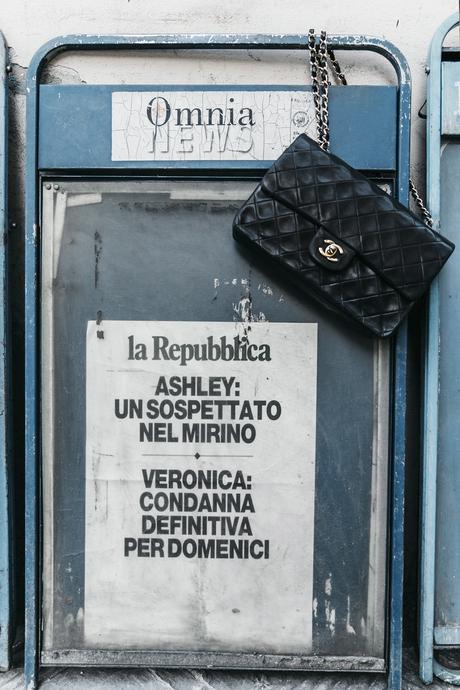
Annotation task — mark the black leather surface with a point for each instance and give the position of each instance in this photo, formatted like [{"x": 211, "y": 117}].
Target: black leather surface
[{"x": 373, "y": 256}]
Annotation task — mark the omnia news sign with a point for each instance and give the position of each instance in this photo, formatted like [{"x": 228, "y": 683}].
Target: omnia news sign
[{"x": 203, "y": 124}]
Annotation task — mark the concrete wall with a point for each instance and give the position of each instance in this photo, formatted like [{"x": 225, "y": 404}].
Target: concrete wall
[{"x": 27, "y": 24}]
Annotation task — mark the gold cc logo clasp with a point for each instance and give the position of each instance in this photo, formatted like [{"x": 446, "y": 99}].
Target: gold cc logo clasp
[{"x": 331, "y": 250}]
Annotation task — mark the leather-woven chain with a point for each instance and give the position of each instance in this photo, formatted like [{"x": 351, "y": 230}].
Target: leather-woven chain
[{"x": 319, "y": 53}]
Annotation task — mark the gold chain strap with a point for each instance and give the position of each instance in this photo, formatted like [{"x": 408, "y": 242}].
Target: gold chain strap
[
  {"x": 319, "y": 54},
  {"x": 428, "y": 218}
]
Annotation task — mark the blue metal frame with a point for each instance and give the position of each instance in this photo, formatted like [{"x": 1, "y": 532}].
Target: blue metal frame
[
  {"x": 197, "y": 42},
  {"x": 428, "y": 664},
  {"x": 5, "y": 519}
]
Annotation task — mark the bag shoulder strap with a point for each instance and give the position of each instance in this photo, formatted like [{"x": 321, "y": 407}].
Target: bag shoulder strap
[{"x": 319, "y": 53}]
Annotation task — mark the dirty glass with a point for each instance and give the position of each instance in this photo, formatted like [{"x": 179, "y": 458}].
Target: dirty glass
[{"x": 162, "y": 250}]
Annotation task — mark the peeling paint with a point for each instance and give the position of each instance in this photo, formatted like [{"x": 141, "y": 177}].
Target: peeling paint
[
  {"x": 69, "y": 621},
  {"x": 16, "y": 81},
  {"x": 328, "y": 585},
  {"x": 330, "y": 617},
  {"x": 61, "y": 74},
  {"x": 266, "y": 289},
  {"x": 350, "y": 629},
  {"x": 243, "y": 310}
]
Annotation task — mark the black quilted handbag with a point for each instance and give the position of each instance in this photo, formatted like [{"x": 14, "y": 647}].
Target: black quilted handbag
[{"x": 341, "y": 237}]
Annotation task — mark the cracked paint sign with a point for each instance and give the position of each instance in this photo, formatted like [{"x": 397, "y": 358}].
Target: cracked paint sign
[
  {"x": 199, "y": 124},
  {"x": 200, "y": 486}
]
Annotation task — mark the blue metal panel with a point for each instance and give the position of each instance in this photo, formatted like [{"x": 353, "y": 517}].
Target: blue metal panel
[
  {"x": 399, "y": 429},
  {"x": 44, "y": 55},
  {"x": 447, "y": 572},
  {"x": 433, "y": 451},
  {"x": 450, "y": 105},
  {"x": 82, "y": 117},
  {"x": 5, "y": 555}
]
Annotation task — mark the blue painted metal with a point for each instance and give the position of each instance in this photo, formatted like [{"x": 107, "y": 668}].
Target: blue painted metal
[
  {"x": 32, "y": 580},
  {"x": 435, "y": 106},
  {"x": 399, "y": 428},
  {"x": 450, "y": 110},
  {"x": 5, "y": 519},
  {"x": 366, "y": 113},
  {"x": 190, "y": 42}
]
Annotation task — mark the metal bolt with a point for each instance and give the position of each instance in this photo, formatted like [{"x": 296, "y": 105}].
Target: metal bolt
[
  {"x": 14, "y": 225},
  {"x": 8, "y": 69},
  {"x": 48, "y": 186},
  {"x": 56, "y": 186}
]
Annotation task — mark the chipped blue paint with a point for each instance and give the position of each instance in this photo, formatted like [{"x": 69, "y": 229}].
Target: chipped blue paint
[
  {"x": 190, "y": 42},
  {"x": 428, "y": 665},
  {"x": 5, "y": 517},
  {"x": 399, "y": 417}
]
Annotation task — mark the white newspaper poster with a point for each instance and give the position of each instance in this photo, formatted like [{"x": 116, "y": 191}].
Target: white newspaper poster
[
  {"x": 211, "y": 125},
  {"x": 200, "y": 485}
]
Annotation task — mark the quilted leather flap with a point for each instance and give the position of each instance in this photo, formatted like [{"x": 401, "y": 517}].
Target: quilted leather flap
[
  {"x": 271, "y": 228},
  {"x": 390, "y": 239}
]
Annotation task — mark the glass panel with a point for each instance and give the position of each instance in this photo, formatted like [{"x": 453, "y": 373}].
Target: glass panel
[{"x": 161, "y": 253}]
